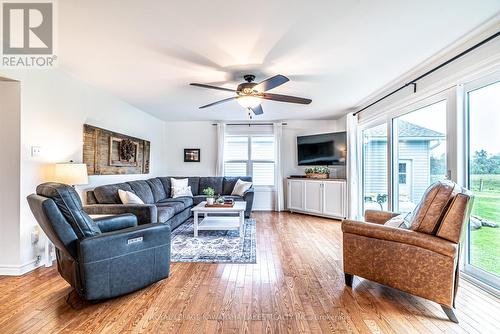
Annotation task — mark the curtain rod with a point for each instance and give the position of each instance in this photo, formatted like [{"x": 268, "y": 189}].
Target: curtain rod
[
  {"x": 249, "y": 124},
  {"x": 414, "y": 81}
]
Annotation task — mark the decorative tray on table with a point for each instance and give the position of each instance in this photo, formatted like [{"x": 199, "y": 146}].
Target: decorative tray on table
[{"x": 228, "y": 203}]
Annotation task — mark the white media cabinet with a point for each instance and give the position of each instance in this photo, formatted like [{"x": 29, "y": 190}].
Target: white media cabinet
[{"x": 321, "y": 197}]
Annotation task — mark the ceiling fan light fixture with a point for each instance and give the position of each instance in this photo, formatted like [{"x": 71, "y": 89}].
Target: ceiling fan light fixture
[
  {"x": 249, "y": 102},
  {"x": 250, "y": 94}
]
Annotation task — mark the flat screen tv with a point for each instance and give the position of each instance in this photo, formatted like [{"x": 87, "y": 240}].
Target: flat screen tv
[{"x": 322, "y": 150}]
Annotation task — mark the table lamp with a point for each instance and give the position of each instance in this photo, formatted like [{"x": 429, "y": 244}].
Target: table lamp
[{"x": 71, "y": 173}]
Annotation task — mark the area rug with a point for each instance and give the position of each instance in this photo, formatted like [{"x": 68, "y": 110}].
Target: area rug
[{"x": 213, "y": 246}]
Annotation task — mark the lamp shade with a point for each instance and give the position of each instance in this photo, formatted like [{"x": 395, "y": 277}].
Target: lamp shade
[{"x": 71, "y": 173}]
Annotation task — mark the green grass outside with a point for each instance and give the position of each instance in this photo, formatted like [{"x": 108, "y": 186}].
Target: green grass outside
[{"x": 485, "y": 242}]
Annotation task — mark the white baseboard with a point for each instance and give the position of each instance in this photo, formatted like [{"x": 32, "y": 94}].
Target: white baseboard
[{"x": 18, "y": 270}]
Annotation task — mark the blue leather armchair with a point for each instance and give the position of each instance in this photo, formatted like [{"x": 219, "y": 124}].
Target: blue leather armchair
[{"x": 100, "y": 258}]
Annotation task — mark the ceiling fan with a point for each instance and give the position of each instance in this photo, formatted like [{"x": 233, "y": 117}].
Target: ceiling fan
[{"x": 250, "y": 94}]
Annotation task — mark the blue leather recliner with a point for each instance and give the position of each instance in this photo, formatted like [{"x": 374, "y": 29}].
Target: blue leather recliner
[{"x": 100, "y": 258}]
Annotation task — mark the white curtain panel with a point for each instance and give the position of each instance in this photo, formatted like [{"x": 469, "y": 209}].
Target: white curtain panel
[
  {"x": 353, "y": 168},
  {"x": 221, "y": 139},
  {"x": 278, "y": 174}
]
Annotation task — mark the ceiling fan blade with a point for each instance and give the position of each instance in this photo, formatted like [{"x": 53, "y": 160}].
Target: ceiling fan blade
[
  {"x": 212, "y": 87},
  {"x": 257, "y": 110},
  {"x": 271, "y": 83},
  {"x": 218, "y": 102},
  {"x": 285, "y": 98}
]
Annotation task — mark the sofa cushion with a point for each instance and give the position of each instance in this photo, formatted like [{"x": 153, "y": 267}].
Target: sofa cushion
[
  {"x": 157, "y": 189},
  {"x": 177, "y": 206},
  {"x": 234, "y": 197},
  {"x": 166, "y": 185},
  {"x": 90, "y": 197},
  {"x": 179, "y": 218},
  {"x": 108, "y": 194},
  {"x": 193, "y": 182},
  {"x": 212, "y": 182},
  {"x": 229, "y": 182},
  {"x": 429, "y": 212},
  {"x": 451, "y": 226},
  {"x": 197, "y": 199},
  {"x": 165, "y": 213},
  {"x": 187, "y": 201},
  {"x": 68, "y": 202},
  {"x": 142, "y": 189}
]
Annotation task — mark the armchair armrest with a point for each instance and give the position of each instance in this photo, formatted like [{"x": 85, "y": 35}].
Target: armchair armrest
[
  {"x": 115, "y": 222},
  {"x": 378, "y": 217},
  {"x": 145, "y": 213},
  {"x": 388, "y": 233},
  {"x": 122, "y": 261}
]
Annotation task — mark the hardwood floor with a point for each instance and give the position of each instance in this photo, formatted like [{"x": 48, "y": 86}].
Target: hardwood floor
[{"x": 297, "y": 286}]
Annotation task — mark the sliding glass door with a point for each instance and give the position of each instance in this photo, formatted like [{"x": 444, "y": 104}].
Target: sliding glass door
[
  {"x": 419, "y": 153},
  {"x": 483, "y": 251},
  {"x": 375, "y": 194},
  {"x": 437, "y": 138}
]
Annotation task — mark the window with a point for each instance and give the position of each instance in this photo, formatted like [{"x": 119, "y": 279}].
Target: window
[
  {"x": 252, "y": 155},
  {"x": 402, "y": 173},
  {"x": 483, "y": 242}
]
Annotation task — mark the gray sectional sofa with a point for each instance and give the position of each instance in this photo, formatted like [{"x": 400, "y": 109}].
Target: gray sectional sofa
[{"x": 159, "y": 206}]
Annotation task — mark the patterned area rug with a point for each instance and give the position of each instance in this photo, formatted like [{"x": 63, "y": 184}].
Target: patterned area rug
[{"x": 213, "y": 246}]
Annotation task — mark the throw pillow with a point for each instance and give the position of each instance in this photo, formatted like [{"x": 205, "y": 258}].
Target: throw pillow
[
  {"x": 178, "y": 183},
  {"x": 179, "y": 187},
  {"x": 429, "y": 212},
  {"x": 399, "y": 221},
  {"x": 178, "y": 192},
  {"x": 240, "y": 187},
  {"x": 128, "y": 197}
]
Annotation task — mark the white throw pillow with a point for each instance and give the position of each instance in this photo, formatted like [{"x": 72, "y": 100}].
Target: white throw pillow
[
  {"x": 178, "y": 183},
  {"x": 178, "y": 192},
  {"x": 399, "y": 221},
  {"x": 128, "y": 197},
  {"x": 180, "y": 188},
  {"x": 240, "y": 187}
]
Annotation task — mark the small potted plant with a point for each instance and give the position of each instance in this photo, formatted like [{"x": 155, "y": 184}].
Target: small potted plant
[
  {"x": 220, "y": 200},
  {"x": 317, "y": 172},
  {"x": 210, "y": 193}
]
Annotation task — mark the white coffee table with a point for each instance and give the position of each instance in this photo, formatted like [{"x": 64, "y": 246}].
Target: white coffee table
[{"x": 215, "y": 222}]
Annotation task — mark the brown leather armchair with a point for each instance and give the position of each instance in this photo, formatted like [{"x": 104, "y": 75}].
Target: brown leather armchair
[{"x": 420, "y": 258}]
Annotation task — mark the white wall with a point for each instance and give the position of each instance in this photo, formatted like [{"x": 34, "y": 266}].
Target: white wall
[
  {"x": 54, "y": 107},
  {"x": 203, "y": 135},
  {"x": 181, "y": 135},
  {"x": 10, "y": 142},
  {"x": 475, "y": 64}
]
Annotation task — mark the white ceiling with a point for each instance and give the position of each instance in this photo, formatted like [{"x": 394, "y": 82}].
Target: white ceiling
[{"x": 335, "y": 52}]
